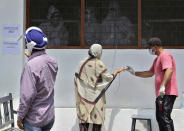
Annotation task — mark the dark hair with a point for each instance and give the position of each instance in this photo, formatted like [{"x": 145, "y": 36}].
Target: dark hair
[
  {"x": 155, "y": 41},
  {"x": 36, "y": 50},
  {"x": 89, "y": 52}
]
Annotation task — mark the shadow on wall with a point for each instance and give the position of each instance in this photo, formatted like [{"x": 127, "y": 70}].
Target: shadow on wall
[
  {"x": 113, "y": 115},
  {"x": 76, "y": 126}
]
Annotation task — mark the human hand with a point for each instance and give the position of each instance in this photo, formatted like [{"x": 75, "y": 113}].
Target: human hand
[
  {"x": 162, "y": 90},
  {"x": 26, "y": 54},
  {"x": 131, "y": 70},
  {"x": 20, "y": 125},
  {"x": 121, "y": 69}
]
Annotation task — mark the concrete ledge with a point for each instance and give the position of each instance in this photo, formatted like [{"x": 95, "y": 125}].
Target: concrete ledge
[{"x": 117, "y": 119}]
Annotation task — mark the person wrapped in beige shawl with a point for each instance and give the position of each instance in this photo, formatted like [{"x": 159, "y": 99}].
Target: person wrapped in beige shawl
[{"x": 92, "y": 78}]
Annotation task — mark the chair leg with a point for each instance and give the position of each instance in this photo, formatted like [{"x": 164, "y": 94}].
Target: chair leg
[
  {"x": 149, "y": 125},
  {"x": 133, "y": 124}
]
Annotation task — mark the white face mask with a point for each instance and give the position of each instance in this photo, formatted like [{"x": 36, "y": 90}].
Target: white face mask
[
  {"x": 30, "y": 47},
  {"x": 152, "y": 52}
]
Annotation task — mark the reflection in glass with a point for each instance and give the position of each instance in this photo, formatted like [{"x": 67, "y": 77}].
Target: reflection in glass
[
  {"x": 59, "y": 19},
  {"x": 164, "y": 19},
  {"x": 118, "y": 29},
  {"x": 108, "y": 24},
  {"x": 92, "y": 28},
  {"x": 54, "y": 28}
]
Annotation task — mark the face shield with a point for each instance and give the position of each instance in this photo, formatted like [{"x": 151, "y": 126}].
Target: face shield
[{"x": 35, "y": 39}]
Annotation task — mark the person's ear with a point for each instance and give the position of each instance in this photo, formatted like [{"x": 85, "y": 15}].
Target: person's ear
[{"x": 156, "y": 47}]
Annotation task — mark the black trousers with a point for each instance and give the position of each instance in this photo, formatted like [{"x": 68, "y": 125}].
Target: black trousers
[
  {"x": 85, "y": 126},
  {"x": 164, "y": 106}
]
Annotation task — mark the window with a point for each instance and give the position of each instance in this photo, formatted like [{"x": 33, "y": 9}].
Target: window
[
  {"x": 59, "y": 20},
  {"x": 112, "y": 23},
  {"x": 165, "y": 19}
]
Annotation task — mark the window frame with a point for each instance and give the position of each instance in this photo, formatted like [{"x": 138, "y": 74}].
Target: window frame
[{"x": 82, "y": 40}]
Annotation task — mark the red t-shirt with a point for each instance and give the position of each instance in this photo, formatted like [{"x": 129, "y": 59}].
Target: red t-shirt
[{"x": 164, "y": 61}]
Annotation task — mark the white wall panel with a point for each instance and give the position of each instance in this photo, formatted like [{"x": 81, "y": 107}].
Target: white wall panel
[{"x": 126, "y": 90}]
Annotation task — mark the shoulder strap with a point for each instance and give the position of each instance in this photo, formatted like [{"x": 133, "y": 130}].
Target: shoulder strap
[{"x": 83, "y": 66}]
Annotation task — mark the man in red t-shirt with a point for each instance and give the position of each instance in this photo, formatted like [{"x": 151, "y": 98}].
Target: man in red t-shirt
[{"x": 164, "y": 69}]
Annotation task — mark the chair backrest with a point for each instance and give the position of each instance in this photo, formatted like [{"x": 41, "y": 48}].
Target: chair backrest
[{"x": 6, "y": 111}]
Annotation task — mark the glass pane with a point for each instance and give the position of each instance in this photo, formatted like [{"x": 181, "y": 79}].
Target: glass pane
[
  {"x": 164, "y": 19},
  {"x": 111, "y": 22},
  {"x": 59, "y": 19}
]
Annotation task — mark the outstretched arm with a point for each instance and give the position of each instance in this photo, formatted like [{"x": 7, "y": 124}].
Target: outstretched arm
[
  {"x": 144, "y": 74},
  {"x": 118, "y": 71}
]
